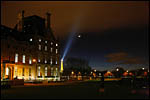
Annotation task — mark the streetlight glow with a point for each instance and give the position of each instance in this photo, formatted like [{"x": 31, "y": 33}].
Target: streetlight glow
[
  {"x": 117, "y": 69},
  {"x": 143, "y": 68},
  {"x": 34, "y": 60}
]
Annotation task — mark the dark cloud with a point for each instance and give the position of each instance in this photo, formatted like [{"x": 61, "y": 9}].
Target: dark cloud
[{"x": 123, "y": 58}]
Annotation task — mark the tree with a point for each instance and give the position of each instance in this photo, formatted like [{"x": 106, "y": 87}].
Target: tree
[{"x": 76, "y": 65}]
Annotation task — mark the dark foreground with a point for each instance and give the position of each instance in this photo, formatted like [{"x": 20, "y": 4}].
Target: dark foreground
[{"x": 82, "y": 90}]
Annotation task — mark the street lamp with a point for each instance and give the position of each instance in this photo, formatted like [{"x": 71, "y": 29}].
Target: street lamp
[
  {"x": 117, "y": 69},
  {"x": 143, "y": 68},
  {"x": 72, "y": 72},
  {"x": 34, "y": 60}
]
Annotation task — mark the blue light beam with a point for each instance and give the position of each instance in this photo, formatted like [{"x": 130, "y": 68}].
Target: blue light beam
[{"x": 74, "y": 30}]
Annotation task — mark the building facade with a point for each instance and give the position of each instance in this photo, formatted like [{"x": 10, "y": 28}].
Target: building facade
[{"x": 30, "y": 51}]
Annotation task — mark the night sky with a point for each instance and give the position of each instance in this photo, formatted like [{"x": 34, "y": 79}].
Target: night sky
[{"x": 112, "y": 33}]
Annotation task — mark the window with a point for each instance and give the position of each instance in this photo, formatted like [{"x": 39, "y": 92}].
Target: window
[
  {"x": 45, "y": 71},
  {"x": 51, "y": 43},
  {"x": 29, "y": 71},
  {"x": 31, "y": 39},
  {"x": 39, "y": 47},
  {"x": 40, "y": 40},
  {"x": 56, "y": 44},
  {"x": 56, "y": 61},
  {"x": 30, "y": 60},
  {"x": 16, "y": 58},
  {"x": 56, "y": 71},
  {"x": 39, "y": 60},
  {"x": 51, "y": 49},
  {"x": 7, "y": 71},
  {"x": 45, "y": 41},
  {"x": 51, "y": 61},
  {"x": 23, "y": 59},
  {"x": 39, "y": 70},
  {"x": 51, "y": 71},
  {"x": 45, "y": 61},
  {"x": 23, "y": 71},
  {"x": 45, "y": 48},
  {"x": 16, "y": 71},
  {"x": 56, "y": 51}
]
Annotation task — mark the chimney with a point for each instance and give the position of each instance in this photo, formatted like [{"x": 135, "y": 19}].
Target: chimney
[
  {"x": 48, "y": 19},
  {"x": 20, "y": 21}
]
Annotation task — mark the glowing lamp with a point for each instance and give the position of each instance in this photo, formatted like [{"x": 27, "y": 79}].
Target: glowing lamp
[{"x": 34, "y": 60}]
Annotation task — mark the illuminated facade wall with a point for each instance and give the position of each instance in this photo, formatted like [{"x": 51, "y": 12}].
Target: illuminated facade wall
[{"x": 20, "y": 49}]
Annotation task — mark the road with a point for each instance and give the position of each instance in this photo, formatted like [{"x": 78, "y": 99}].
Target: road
[{"x": 78, "y": 90}]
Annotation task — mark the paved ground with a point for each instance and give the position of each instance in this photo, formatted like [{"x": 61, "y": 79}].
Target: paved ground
[{"x": 82, "y": 90}]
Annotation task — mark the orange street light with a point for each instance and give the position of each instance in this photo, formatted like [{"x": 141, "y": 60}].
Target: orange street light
[{"x": 34, "y": 60}]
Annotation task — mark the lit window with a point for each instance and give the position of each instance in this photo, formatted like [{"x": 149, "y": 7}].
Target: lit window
[
  {"x": 51, "y": 61},
  {"x": 15, "y": 71},
  {"x": 31, "y": 39},
  {"x": 51, "y": 49},
  {"x": 23, "y": 59},
  {"x": 56, "y": 44},
  {"x": 51, "y": 43},
  {"x": 51, "y": 71},
  {"x": 38, "y": 71},
  {"x": 39, "y": 60},
  {"x": 39, "y": 40},
  {"x": 7, "y": 71},
  {"x": 30, "y": 60},
  {"x": 45, "y": 48},
  {"x": 45, "y": 41},
  {"x": 56, "y": 71},
  {"x": 16, "y": 58},
  {"x": 56, "y": 51},
  {"x": 45, "y": 71},
  {"x": 39, "y": 47},
  {"x": 56, "y": 61},
  {"x": 45, "y": 61}
]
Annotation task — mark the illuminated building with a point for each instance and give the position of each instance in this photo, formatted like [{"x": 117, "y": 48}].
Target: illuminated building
[{"x": 26, "y": 50}]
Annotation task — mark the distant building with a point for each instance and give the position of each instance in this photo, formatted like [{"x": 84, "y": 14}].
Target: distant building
[{"x": 30, "y": 51}]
